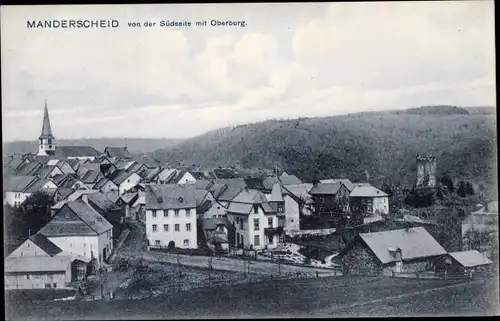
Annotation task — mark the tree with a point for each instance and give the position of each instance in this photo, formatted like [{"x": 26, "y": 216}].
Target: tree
[
  {"x": 448, "y": 183},
  {"x": 479, "y": 240},
  {"x": 461, "y": 189},
  {"x": 469, "y": 189}
]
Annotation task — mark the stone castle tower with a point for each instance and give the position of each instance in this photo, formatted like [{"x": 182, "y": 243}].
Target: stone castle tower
[
  {"x": 46, "y": 141},
  {"x": 426, "y": 171}
]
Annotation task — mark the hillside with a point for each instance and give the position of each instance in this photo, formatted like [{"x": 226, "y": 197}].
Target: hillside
[
  {"x": 368, "y": 146},
  {"x": 135, "y": 145}
]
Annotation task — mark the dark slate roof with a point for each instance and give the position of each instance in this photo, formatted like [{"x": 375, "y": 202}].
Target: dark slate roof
[
  {"x": 245, "y": 200},
  {"x": 289, "y": 180},
  {"x": 170, "y": 196},
  {"x": 46, "y": 130},
  {"x": 90, "y": 216},
  {"x": 45, "y": 171},
  {"x": 15, "y": 162},
  {"x": 203, "y": 207},
  {"x": 200, "y": 195},
  {"x": 36, "y": 186},
  {"x": 148, "y": 161},
  {"x": 102, "y": 202},
  {"x": 91, "y": 176},
  {"x": 76, "y": 151},
  {"x": 202, "y": 184},
  {"x": 325, "y": 188},
  {"x": 213, "y": 223},
  {"x": 45, "y": 244},
  {"x": 129, "y": 198},
  {"x": 64, "y": 192},
  {"x": 136, "y": 168},
  {"x": 217, "y": 189},
  {"x": 28, "y": 169},
  {"x": 100, "y": 184},
  {"x": 18, "y": 183},
  {"x": 276, "y": 193},
  {"x": 119, "y": 152},
  {"x": 176, "y": 178},
  {"x": 122, "y": 177},
  {"x": 347, "y": 182}
]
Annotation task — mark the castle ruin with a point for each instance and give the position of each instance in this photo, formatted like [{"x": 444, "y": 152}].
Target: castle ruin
[{"x": 426, "y": 172}]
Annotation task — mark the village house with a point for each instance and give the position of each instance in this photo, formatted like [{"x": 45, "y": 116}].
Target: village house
[
  {"x": 255, "y": 221},
  {"x": 207, "y": 206},
  {"x": 368, "y": 201},
  {"x": 483, "y": 221},
  {"x": 18, "y": 188},
  {"x": 467, "y": 262},
  {"x": 126, "y": 201},
  {"x": 105, "y": 185},
  {"x": 117, "y": 152},
  {"x": 49, "y": 171},
  {"x": 382, "y": 253},
  {"x": 216, "y": 233},
  {"x": 79, "y": 229},
  {"x": 171, "y": 215},
  {"x": 125, "y": 180},
  {"x": 347, "y": 182},
  {"x": 52, "y": 272},
  {"x": 300, "y": 193},
  {"x": 331, "y": 200}
]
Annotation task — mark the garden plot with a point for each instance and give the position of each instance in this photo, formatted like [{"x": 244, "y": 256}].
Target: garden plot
[{"x": 289, "y": 253}]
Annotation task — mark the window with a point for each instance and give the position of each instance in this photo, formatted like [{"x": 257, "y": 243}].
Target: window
[
  {"x": 270, "y": 239},
  {"x": 214, "y": 216},
  {"x": 154, "y": 213},
  {"x": 188, "y": 212},
  {"x": 321, "y": 209},
  {"x": 157, "y": 242},
  {"x": 237, "y": 220},
  {"x": 165, "y": 227},
  {"x": 128, "y": 181},
  {"x": 177, "y": 229},
  {"x": 165, "y": 213},
  {"x": 27, "y": 276},
  {"x": 256, "y": 224},
  {"x": 256, "y": 208},
  {"x": 241, "y": 224},
  {"x": 186, "y": 242},
  {"x": 176, "y": 212},
  {"x": 322, "y": 200},
  {"x": 155, "y": 227},
  {"x": 188, "y": 227},
  {"x": 256, "y": 240},
  {"x": 270, "y": 222},
  {"x": 280, "y": 208}
]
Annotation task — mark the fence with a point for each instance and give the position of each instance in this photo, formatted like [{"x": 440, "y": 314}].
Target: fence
[
  {"x": 426, "y": 275},
  {"x": 317, "y": 232}
]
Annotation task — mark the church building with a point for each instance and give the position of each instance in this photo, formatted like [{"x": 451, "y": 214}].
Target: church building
[{"x": 47, "y": 144}]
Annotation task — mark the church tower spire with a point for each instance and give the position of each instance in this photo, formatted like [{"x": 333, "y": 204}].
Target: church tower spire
[{"x": 46, "y": 141}]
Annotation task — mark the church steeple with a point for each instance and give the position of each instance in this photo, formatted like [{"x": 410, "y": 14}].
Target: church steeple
[
  {"x": 46, "y": 141},
  {"x": 46, "y": 130}
]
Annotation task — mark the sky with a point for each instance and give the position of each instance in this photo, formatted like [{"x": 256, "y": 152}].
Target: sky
[{"x": 289, "y": 61}]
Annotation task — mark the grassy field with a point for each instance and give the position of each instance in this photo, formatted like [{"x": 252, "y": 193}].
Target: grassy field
[{"x": 289, "y": 298}]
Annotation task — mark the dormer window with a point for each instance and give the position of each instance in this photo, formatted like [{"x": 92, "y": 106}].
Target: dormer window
[{"x": 256, "y": 209}]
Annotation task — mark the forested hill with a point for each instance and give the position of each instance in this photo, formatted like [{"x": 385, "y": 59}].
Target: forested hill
[
  {"x": 367, "y": 146},
  {"x": 134, "y": 145}
]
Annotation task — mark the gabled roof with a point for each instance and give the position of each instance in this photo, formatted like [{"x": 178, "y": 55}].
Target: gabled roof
[
  {"x": 470, "y": 258},
  {"x": 176, "y": 178},
  {"x": 64, "y": 192},
  {"x": 148, "y": 161},
  {"x": 119, "y": 152},
  {"x": 239, "y": 208},
  {"x": 276, "y": 193},
  {"x": 28, "y": 169},
  {"x": 347, "y": 183},
  {"x": 102, "y": 202},
  {"x": 36, "y": 264},
  {"x": 414, "y": 243},
  {"x": 200, "y": 195},
  {"x": 170, "y": 196},
  {"x": 36, "y": 186},
  {"x": 18, "y": 183},
  {"x": 129, "y": 197},
  {"x": 299, "y": 190},
  {"x": 325, "y": 188},
  {"x": 76, "y": 151},
  {"x": 72, "y": 197},
  {"x": 202, "y": 184},
  {"x": 45, "y": 171},
  {"x": 213, "y": 223},
  {"x": 151, "y": 173},
  {"x": 122, "y": 177},
  {"x": 165, "y": 174},
  {"x": 90, "y": 216},
  {"x": 135, "y": 168},
  {"x": 91, "y": 176},
  {"x": 289, "y": 180},
  {"x": 53, "y": 162},
  {"x": 101, "y": 183},
  {"x": 45, "y": 244},
  {"x": 367, "y": 191}
]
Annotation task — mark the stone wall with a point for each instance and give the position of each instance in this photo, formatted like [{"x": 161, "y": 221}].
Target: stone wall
[{"x": 358, "y": 260}]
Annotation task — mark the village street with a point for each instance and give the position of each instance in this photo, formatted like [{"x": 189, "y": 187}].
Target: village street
[{"x": 134, "y": 248}]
